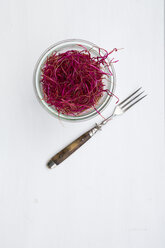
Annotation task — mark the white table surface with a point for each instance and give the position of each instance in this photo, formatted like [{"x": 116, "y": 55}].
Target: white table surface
[{"x": 110, "y": 193}]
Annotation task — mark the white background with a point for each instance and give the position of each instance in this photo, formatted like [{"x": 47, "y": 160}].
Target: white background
[{"x": 110, "y": 193}]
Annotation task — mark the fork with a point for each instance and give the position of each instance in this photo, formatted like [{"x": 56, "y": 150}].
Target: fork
[{"x": 121, "y": 108}]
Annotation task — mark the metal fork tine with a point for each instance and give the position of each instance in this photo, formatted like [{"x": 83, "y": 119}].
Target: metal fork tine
[
  {"x": 131, "y": 100},
  {"x": 134, "y": 103},
  {"x": 130, "y": 96}
]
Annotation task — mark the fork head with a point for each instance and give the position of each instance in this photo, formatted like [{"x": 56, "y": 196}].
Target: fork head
[{"x": 130, "y": 101}]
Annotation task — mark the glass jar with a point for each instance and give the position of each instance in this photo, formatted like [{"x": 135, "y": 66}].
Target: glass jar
[{"x": 74, "y": 44}]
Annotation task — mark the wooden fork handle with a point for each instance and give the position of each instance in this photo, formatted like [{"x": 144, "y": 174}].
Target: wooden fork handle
[{"x": 68, "y": 150}]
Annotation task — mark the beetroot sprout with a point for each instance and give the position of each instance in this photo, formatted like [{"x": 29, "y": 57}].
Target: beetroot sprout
[{"x": 72, "y": 82}]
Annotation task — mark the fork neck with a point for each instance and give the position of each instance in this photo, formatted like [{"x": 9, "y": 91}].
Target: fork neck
[{"x": 106, "y": 120}]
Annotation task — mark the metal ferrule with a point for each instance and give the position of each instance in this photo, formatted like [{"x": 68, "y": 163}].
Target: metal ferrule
[{"x": 94, "y": 130}]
